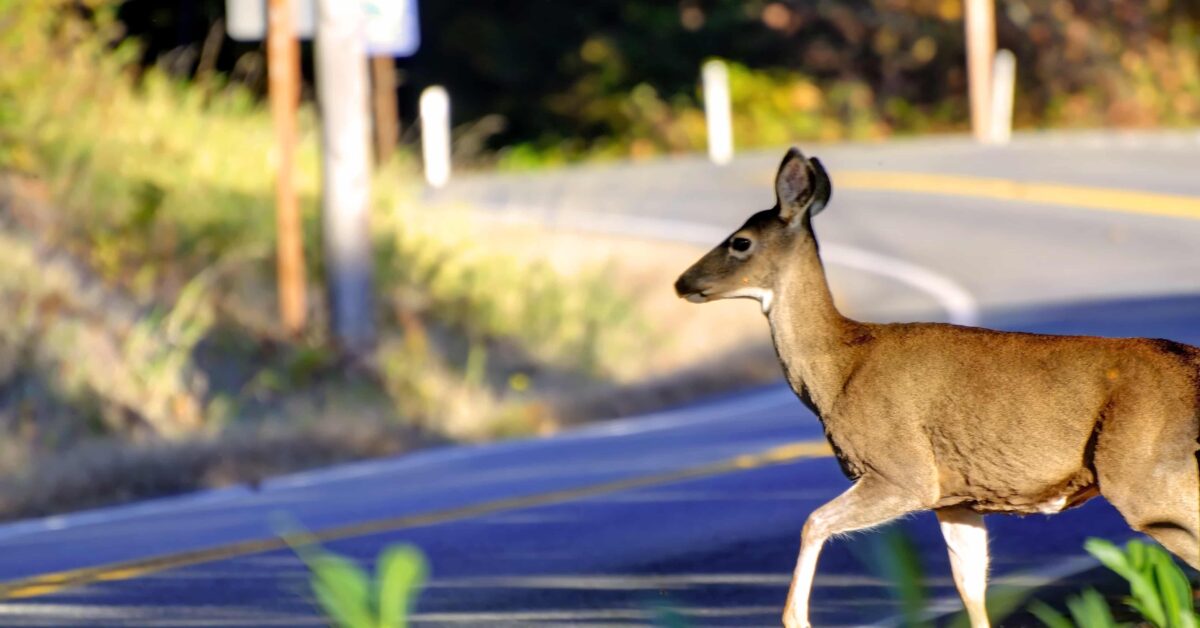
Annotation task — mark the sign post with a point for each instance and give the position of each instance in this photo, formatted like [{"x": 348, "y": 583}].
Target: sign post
[
  {"x": 341, "y": 67},
  {"x": 391, "y": 32},
  {"x": 387, "y": 111},
  {"x": 345, "y": 32},
  {"x": 283, "y": 75}
]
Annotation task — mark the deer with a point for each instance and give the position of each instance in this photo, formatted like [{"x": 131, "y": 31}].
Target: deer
[{"x": 963, "y": 421}]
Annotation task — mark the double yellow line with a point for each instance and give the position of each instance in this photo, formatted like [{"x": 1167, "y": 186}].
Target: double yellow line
[
  {"x": 53, "y": 582},
  {"x": 1082, "y": 197}
]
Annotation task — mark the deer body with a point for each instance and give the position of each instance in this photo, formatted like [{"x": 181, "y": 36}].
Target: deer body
[{"x": 959, "y": 420}]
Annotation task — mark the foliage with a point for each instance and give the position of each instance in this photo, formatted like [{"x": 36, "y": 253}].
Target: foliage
[
  {"x": 162, "y": 188},
  {"x": 65, "y": 336},
  {"x": 1088, "y": 608},
  {"x": 1159, "y": 590},
  {"x": 348, "y": 595},
  {"x": 619, "y": 77},
  {"x": 457, "y": 280},
  {"x": 894, "y": 557},
  {"x": 770, "y": 108}
]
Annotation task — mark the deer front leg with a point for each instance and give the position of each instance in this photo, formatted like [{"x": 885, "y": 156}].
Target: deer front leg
[
  {"x": 869, "y": 503},
  {"x": 966, "y": 538}
]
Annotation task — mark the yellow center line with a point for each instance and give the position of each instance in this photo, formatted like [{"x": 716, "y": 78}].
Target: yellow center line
[
  {"x": 1082, "y": 197},
  {"x": 47, "y": 584}
]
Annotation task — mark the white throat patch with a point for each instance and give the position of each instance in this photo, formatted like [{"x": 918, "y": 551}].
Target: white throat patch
[{"x": 762, "y": 295}]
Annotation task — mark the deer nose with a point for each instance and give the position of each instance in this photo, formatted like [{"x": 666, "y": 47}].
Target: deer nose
[{"x": 685, "y": 287}]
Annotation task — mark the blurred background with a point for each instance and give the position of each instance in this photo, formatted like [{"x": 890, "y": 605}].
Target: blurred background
[{"x": 142, "y": 347}]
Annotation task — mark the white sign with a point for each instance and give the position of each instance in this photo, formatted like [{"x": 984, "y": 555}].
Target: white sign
[
  {"x": 246, "y": 20},
  {"x": 392, "y": 27}
]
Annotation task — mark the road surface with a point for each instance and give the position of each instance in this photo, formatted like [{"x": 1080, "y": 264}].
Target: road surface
[{"x": 697, "y": 509}]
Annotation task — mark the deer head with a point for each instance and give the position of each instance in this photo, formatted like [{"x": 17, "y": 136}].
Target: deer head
[{"x": 746, "y": 264}]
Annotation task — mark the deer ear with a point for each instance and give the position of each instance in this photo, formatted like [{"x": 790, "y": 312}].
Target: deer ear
[{"x": 801, "y": 187}]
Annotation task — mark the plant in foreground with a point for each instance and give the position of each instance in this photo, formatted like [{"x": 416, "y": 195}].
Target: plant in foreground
[
  {"x": 346, "y": 594},
  {"x": 1159, "y": 590}
]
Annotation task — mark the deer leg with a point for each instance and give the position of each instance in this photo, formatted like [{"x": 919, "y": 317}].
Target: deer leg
[
  {"x": 966, "y": 538},
  {"x": 869, "y": 503}
]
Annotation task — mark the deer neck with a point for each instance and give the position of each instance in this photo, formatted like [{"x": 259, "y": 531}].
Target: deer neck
[{"x": 809, "y": 333}]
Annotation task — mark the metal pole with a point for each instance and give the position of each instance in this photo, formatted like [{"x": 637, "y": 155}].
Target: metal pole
[
  {"x": 283, "y": 72},
  {"x": 717, "y": 111},
  {"x": 341, "y": 67},
  {"x": 1004, "y": 78},
  {"x": 980, "y": 24},
  {"x": 387, "y": 111},
  {"x": 435, "y": 135}
]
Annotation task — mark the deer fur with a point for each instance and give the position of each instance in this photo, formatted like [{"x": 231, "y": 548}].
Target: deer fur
[{"x": 960, "y": 420}]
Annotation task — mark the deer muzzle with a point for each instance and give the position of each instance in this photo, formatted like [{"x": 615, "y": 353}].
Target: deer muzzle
[{"x": 686, "y": 288}]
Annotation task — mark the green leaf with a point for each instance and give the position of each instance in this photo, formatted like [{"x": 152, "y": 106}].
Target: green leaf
[
  {"x": 1048, "y": 616},
  {"x": 896, "y": 559},
  {"x": 1131, "y": 565},
  {"x": 343, "y": 590},
  {"x": 1090, "y": 610},
  {"x": 1111, "y": 556},
  {"x": 401, "y": 572},
  {"x": 1002, "y": 601},
  {"x": 1168, "y": 589},
  {"x": 1175, "y": 590}
]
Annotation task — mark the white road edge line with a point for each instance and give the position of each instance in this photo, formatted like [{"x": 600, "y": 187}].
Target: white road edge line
[{"x": 960, "y": 307}]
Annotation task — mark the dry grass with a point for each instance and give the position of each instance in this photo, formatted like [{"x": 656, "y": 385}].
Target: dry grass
[
  {"x": 109, "y": 471},
  {"x": 694, "y": 351},
  {"x": 321, "y": 418},
  {"x": 684, "y": 336}
]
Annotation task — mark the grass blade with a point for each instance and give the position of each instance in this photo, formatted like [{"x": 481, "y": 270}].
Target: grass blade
[
  {"x": 401, "y": 573},
  {"x": 1048, "y": 616}
]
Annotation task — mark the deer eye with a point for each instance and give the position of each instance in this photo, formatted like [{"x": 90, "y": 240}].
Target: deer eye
[{"x": 741, "y": 245}]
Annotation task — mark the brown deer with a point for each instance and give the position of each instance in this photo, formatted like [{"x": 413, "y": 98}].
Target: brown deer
[{"x": 961, "y": 420}]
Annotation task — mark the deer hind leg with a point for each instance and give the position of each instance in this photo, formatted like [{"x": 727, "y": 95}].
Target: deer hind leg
[
  {"x": 869, "y": 503},
  {"x": 1155, "y": 486},
  {"x": 966, "y": 538}
]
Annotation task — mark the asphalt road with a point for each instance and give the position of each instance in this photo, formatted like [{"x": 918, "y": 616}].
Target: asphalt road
[{"x": 697, "y": 509}]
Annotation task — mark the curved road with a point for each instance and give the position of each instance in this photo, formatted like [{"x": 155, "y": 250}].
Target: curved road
[{"x": 699, "y": 508}]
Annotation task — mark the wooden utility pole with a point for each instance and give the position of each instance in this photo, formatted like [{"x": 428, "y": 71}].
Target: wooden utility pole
[
  {"x": 387, "y": 111},
  {"x": 980, "y": 25},
  {"x": 283, "y": 72},
  {"x": 341, "y": 60}
]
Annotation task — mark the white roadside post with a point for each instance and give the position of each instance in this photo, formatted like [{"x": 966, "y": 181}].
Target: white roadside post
[
  {"x": 980, "y": 25},
  {"x": 341, "y": 69},
  {"x": 435, "y": 135},
  {"x": 717, "y": 111},
  {"x": 1004, "y": 78}
]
